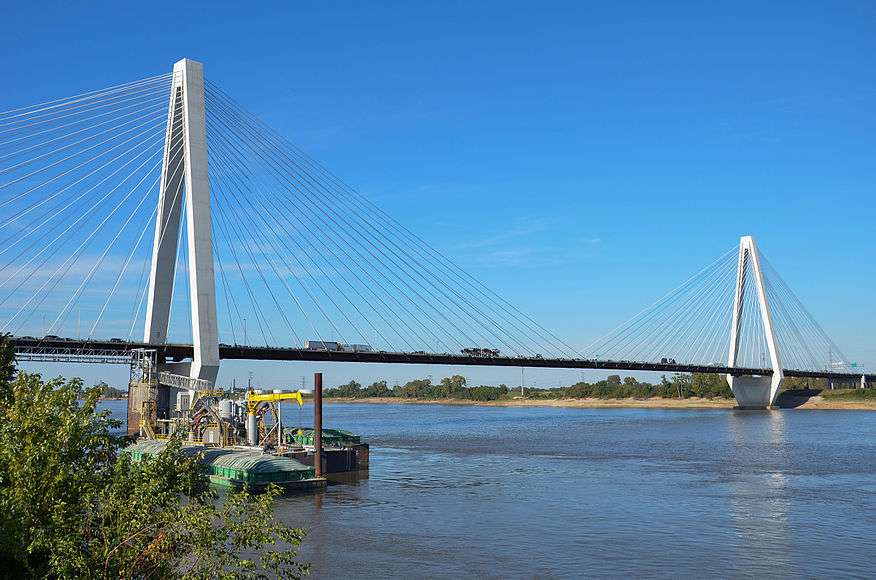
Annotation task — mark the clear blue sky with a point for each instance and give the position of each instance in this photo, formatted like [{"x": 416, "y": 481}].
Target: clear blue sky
[{"x": 580, "y": 158}]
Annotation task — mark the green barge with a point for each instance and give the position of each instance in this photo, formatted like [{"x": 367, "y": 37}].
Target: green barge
[{"x": 239, "y": 468}]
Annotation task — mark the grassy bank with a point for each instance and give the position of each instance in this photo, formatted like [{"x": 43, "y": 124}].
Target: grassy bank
[{"x": 850, "y": 395}]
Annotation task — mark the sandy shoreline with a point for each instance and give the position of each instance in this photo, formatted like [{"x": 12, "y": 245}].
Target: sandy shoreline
[{"x": 817, "y": 402}]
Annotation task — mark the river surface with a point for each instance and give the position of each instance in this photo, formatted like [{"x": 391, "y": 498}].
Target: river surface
[{"x": 559, "y": 493}]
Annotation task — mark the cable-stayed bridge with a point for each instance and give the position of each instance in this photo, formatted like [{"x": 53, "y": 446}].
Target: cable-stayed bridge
[{"x": 162, "y": 215}]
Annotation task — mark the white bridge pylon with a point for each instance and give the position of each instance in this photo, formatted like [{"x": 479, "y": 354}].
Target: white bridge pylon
[
  {"x": 185, "y": 148},
  {"x": 753, "y": 392}
]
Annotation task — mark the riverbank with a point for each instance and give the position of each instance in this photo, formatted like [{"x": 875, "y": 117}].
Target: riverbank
[{"x": 814, "y": 402}]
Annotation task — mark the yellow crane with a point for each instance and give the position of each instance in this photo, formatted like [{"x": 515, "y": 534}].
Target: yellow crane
[
  {"x": 252, "y": 402},
  {"x": 253, "y": 398}
]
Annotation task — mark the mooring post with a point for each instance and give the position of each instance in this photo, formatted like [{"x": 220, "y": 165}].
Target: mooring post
[{"x": 317, "y": 423}]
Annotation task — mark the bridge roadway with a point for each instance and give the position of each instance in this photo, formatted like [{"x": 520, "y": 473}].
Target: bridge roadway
[{"x": 114, "y": 351}]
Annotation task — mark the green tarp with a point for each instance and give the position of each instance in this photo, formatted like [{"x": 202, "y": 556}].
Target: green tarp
[{"x": 236, "y": 466}]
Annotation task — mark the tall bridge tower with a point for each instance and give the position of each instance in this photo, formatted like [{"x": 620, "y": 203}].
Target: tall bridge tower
[
  {"x": 753, "y": 392},
  {"x": 185, "y": 147}
]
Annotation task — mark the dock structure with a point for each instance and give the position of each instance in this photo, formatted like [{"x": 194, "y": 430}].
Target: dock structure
[{"x": 243, "y": 441}]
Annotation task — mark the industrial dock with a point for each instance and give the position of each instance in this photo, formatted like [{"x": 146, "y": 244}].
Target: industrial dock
[{"x": 240, "y": 437}]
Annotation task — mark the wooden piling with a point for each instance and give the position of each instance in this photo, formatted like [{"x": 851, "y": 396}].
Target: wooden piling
[{"x": 317, "y": 423}]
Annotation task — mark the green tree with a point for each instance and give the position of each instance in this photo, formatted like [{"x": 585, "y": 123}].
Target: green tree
[
  {"x": 416, "y": 389},
  {"x": 682, "y": 383},
  {"x": 709, "y": 385},
  {"x": 452, "y": 387},
  {"x": 72, "y": 507},
  {"x": 378, "y": 389},
  {"x": 351, "y": 390},
  {"x": 667, "y": 389}
]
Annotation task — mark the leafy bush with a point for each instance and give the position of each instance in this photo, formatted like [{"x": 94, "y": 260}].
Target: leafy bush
[{"x": 72, "y": 507}]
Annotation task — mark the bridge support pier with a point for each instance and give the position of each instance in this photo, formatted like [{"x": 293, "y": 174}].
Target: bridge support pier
[{"x": 753, "y": 392}]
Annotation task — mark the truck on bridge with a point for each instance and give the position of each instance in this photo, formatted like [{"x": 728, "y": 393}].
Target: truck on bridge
[{"x": 336, "y": 346}]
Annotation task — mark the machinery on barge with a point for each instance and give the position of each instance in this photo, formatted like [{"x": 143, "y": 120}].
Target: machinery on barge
[{"x": 236, "y": 429}]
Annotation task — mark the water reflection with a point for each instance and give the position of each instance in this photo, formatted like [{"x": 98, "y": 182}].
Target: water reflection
[
  {"x": 759, "y": 491},
  {"x": 348, "y": 478}
]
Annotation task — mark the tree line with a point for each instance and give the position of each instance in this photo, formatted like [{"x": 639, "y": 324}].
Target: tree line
[
  {"x": 679, "y": 386},
  {"x": 448, "y": 388}
]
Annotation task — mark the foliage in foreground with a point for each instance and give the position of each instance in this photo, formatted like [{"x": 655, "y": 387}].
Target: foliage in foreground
[{"x": 71, "y": 507}]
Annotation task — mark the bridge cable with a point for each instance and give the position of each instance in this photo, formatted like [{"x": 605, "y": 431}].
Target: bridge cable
[
  {"x": 88, "y": 96},
  {"x": 70, "y": 227},
  {"x": 294, "y": 148},
  {"x": 401, "y": 257},
  {"x": 347, "y": 188},
  {"x": 391, "y": 271},
  {"x": 341, "y": 246},
  {"x": 263, "y": 211}
]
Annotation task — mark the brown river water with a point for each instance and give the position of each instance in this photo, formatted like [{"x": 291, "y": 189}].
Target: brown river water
[{"x": 564, "y": 493}]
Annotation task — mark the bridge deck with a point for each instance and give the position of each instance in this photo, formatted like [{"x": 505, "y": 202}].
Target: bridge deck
[{"x": 71, "y": 350}]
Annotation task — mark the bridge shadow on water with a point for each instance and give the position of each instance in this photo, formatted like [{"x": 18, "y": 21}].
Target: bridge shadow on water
[{"x": 794, "y": 398}]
